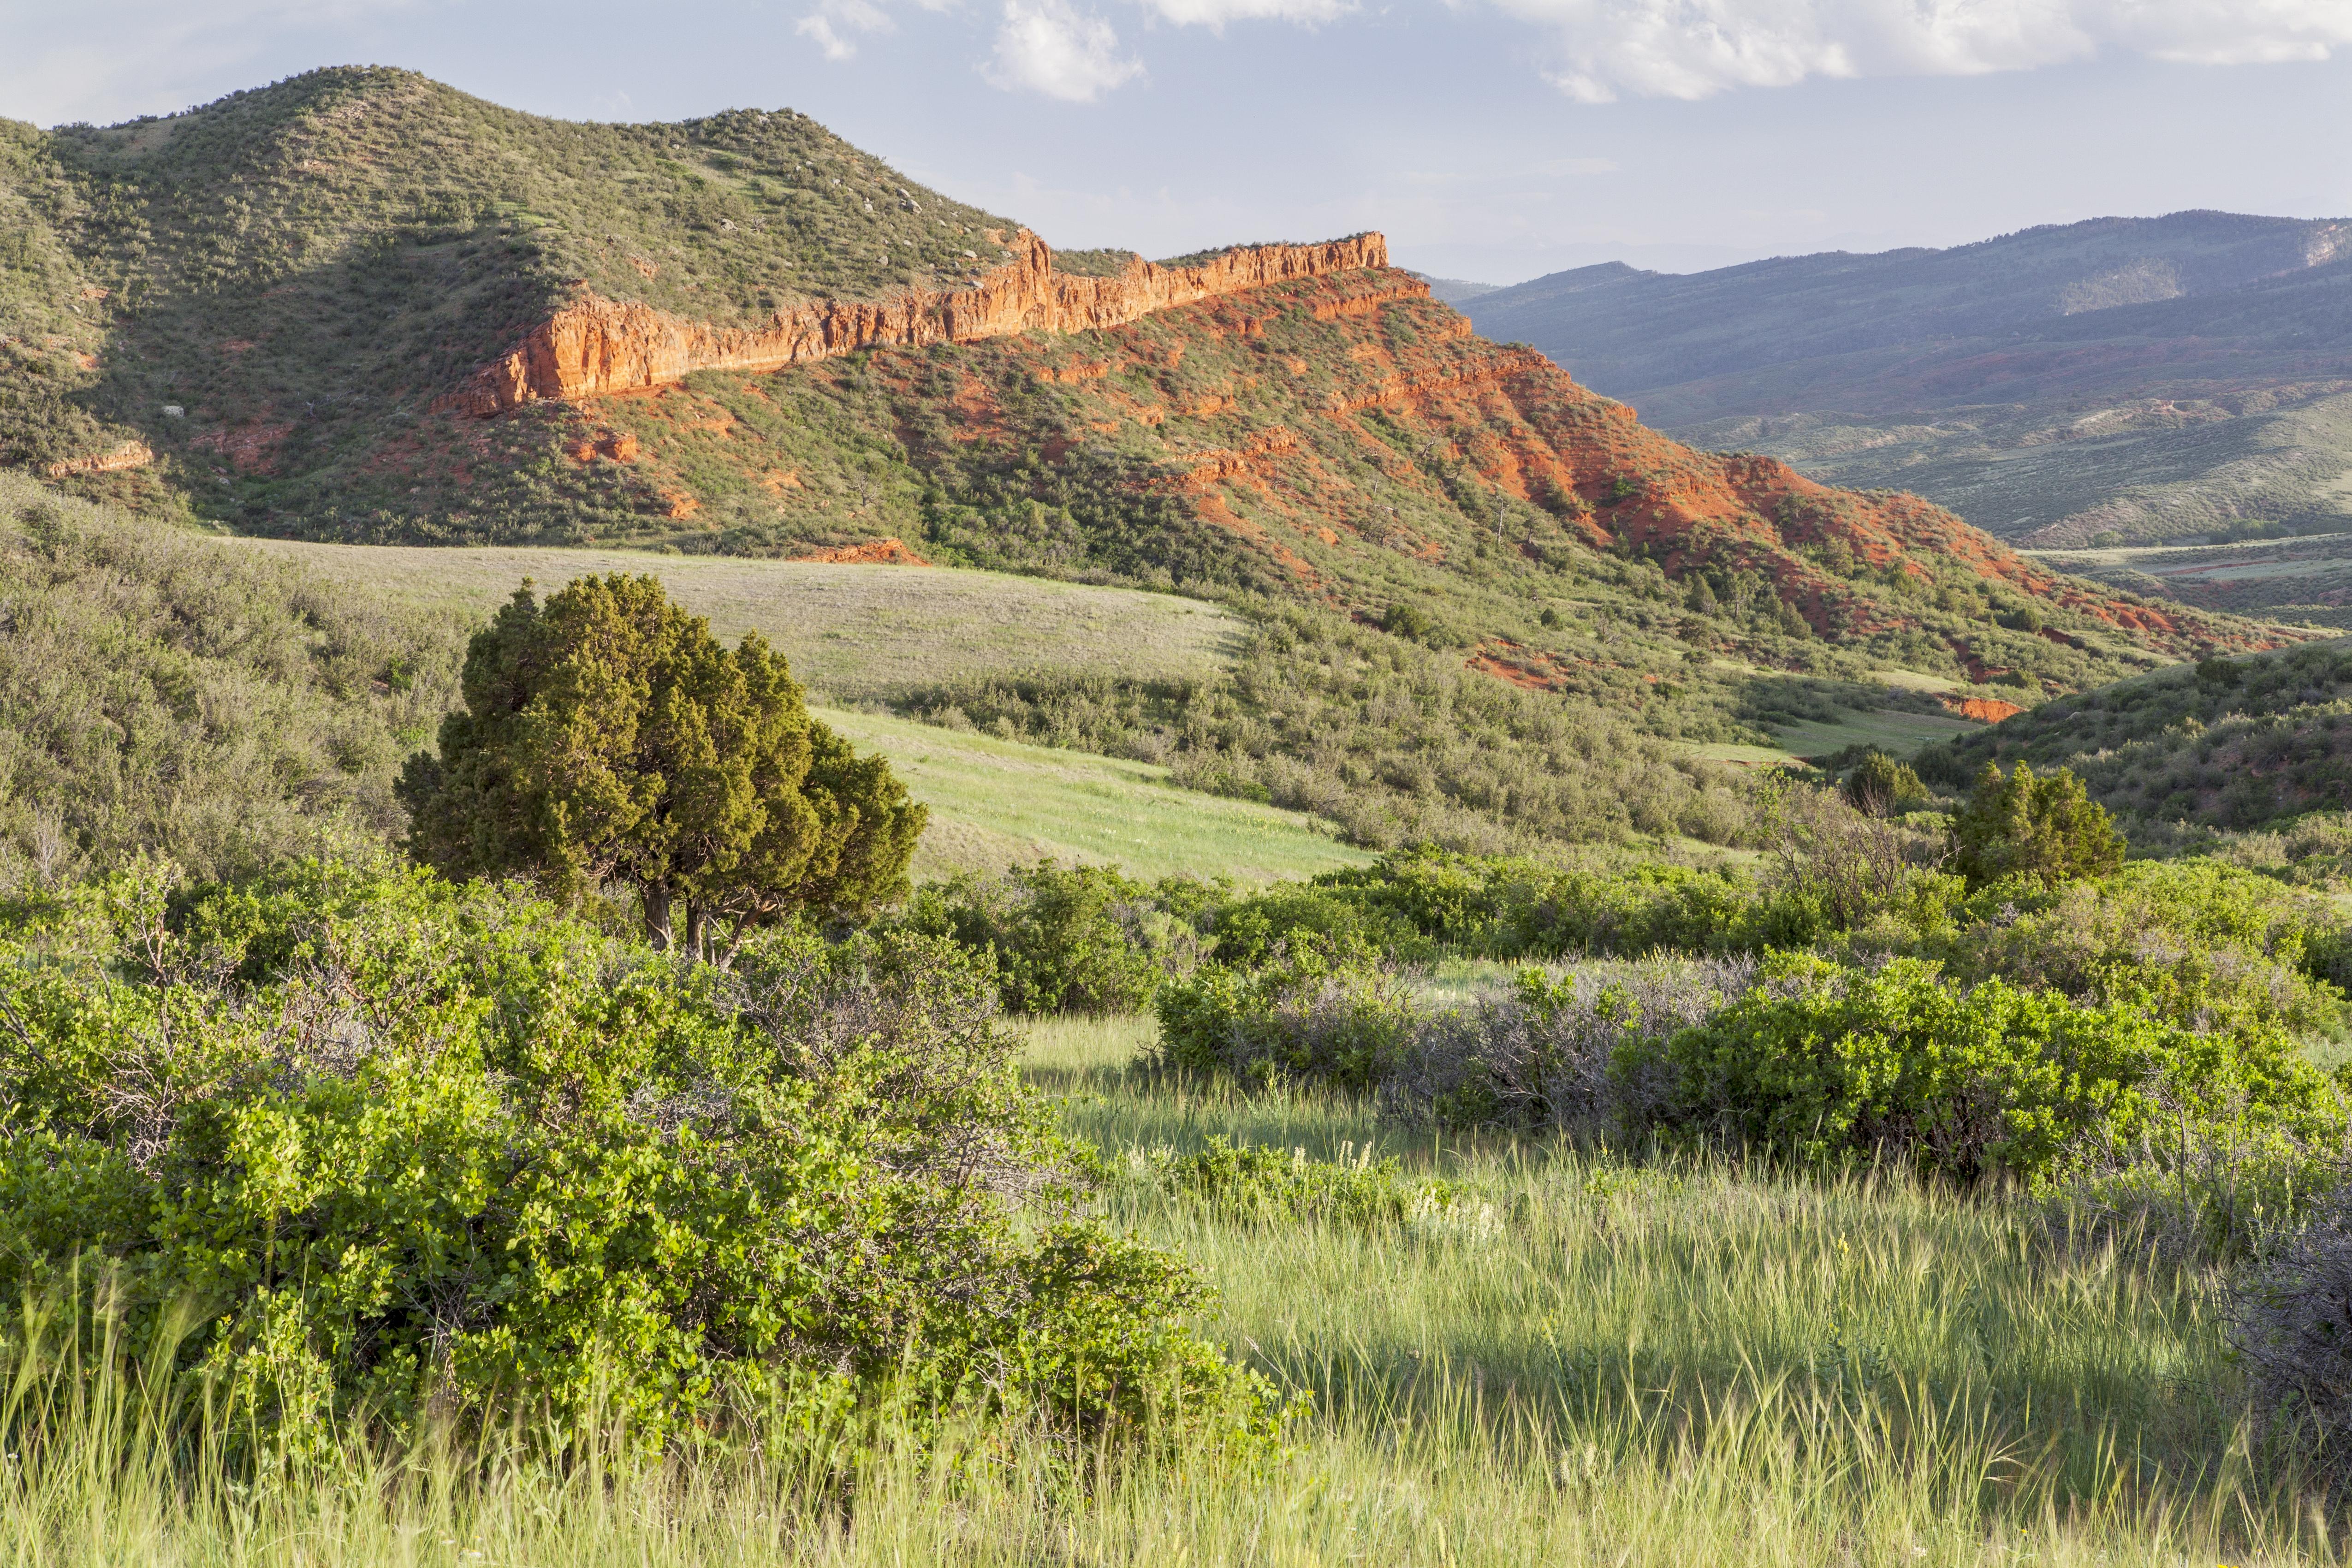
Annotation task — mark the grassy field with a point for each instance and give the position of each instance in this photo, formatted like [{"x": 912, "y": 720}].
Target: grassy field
[
  {"x": 852, "y": 633},
  {"x": 1889, "y": 729},
  {"x": 862, "y": 634},
  {"x": 995, "y": 803},
  {"x": 1568, "y": 1361}
]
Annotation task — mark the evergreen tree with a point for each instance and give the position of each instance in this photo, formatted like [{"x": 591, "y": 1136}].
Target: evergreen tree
[
  {"x": 1881, "y": 785},
  {"x": 2022, "y": 826},
  {"x": 608, "y": 737}
]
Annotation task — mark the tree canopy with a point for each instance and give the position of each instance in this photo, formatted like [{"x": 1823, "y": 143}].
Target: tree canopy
[
  {"x": 2046, "y": 827},
  {"x": 607, "y": 737}
]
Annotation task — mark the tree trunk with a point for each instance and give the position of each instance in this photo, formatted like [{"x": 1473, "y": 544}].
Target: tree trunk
[
  {"x": 655, "y": 898},
  {"x": 697, "y": 931}
]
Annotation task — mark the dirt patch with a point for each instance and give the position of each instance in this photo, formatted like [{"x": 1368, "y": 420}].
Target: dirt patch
[{"x": 873, "y": 552}]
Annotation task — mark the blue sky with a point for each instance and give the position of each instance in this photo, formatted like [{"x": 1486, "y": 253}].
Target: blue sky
[{"x": 1490, "y": 138}]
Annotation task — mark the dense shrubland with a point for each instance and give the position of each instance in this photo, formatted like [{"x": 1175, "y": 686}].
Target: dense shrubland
[
  {"x": 354, "y": 1148},
  {"x": 2183, "y": 754},
  {"x": 157, "y": 692}
]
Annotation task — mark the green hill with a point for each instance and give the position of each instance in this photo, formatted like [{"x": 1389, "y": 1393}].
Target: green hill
[
  {"x": 2124, "y": 380},
  {"x": 1464, "y": 597},
  {"x": 2229, "y": 743}
]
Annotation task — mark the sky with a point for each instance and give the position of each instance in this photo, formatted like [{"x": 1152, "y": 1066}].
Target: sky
[{"x": 1493, "y": 140}]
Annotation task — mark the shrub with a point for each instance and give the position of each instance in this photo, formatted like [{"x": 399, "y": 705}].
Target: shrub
[
  {"x": 1545, "y": 1058},
  {"x": 1822, "y": 1065},
  {"x": 1881, "y": 786},
  {"x": 1080, "y": 939},
  {"x": 1314, "y": 1010},
  {"x": 2027, "y": 829},
  {"x": 421, "y": 1153},
  {"x": 2290, "y": 1321},
  {"x": 2199, "y": 943},
  {"x": 1250, "y": 930}
]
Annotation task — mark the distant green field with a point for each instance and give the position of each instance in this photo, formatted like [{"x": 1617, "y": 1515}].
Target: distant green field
[
  {"x": 998, "y": 802},
  {"x": 852, "y": 633},
  {"x": 1891, "y": 729}
]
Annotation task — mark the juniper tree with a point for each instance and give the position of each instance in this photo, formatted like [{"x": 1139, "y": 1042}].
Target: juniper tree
[
  {"x": 607, "y": 737},
  {"x": 2022, "y": 826}
]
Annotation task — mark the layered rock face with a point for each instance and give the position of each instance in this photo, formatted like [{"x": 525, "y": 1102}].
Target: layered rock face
[{"x": 596, "y": 346}]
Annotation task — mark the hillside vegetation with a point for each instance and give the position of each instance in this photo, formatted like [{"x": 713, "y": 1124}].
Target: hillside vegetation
[
  {"x": 1475, "y": 601},
  {"x": 2119, "y": 380},
  {"x": 159, "y": 692},
  {"x": 2225, "y": 743}
]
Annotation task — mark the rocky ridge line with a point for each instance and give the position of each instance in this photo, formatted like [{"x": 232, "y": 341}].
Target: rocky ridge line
[{"x": 595, "y": 346}]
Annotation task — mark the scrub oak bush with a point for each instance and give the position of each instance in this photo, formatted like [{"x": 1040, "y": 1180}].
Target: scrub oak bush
[
  {"x": 1076, "y": 939},
  {"x": 1314, "y": 1010},
  {"x": 1823, "y": 1064},
  {"x": 412, "y": 1154}
]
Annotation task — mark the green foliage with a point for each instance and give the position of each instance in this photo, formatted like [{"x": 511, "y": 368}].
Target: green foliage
[
  {"x": 158, "y": 693},
  {"x": 1395, "y": 742},
  {"x": 1824, "y": 1065},
  {"x": 608, "y": 737},
  {"x": 2199, "y": 943},
  {"x": 1314, "y": 1011},
  {"x": 388, "y": 1149},
  {"x": 2231, "y": 744},
  {"x": 2024, "y": 829},
  {"x": 1883, "y": 787},
  {"x": 1077, "y": 939}
]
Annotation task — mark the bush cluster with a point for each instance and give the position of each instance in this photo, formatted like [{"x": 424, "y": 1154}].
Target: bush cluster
[
  {"x": 1075, "y": 939},
  {"x": 380, "y": 1147}
]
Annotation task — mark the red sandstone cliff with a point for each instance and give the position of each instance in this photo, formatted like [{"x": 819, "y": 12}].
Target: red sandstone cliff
[{"x": 596, "y": 345}]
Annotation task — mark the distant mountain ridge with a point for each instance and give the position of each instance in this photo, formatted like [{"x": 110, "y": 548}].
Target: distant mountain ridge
[{"x": 2144, "y": 378}]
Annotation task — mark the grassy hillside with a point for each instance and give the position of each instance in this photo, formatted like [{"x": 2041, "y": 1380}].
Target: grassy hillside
[
  {"x": 2228, "y": 743},
  {"x": 160, "y": 692},
  {"x": 997, "y": 803},
  {"x": 235, "y": 702},
  {"x": 2147, "y": 379},
  {"x": 854, "y": 633}
]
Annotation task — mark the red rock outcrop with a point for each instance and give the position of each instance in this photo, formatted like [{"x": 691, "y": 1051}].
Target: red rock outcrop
[
  {"x": 890, "y": 552},
  {"x": 129, "y": 455},
  {"x": 1986, "y": 710},
  {"x": 595, "y": 346}
]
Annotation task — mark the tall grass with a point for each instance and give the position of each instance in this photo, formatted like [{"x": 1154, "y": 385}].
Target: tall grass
[{"x": 1589, "y": 1362}]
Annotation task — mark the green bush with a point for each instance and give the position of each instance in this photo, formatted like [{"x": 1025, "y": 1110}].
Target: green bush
[
  {"x": 1822, "y": 1065},
  {"x": 2196, "y": 942},
  {"x": 608, "y": 737},
  {"x": 2026, "y": 828},
  {"x": 1883, "y": 787},
  {"x": 1077, "y": 939},
  {"x": 1314, "y": 1010},
  {"x": 412, "y": 1153}
]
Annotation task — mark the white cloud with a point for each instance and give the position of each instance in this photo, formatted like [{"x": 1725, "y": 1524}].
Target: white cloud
[
  {"x": 1214, "y": 14},
  {"x": 1691, "y": 48},
  {"x": 833, "y": 22},
  {"x": 1049, "y": 46}
]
